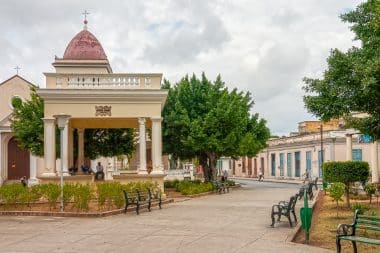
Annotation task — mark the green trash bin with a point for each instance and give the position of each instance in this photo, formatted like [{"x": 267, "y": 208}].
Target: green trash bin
[{"x": 306, "y": 215}]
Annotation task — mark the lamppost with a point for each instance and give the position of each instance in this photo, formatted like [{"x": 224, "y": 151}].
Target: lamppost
[{"x": 62, "y": 120}]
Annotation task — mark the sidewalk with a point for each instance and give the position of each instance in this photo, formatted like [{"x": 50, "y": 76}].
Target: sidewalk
[{"x": 237, "y": 222}]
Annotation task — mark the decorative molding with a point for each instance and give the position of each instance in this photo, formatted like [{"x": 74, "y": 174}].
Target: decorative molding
[{"x": 103, "y": 110}]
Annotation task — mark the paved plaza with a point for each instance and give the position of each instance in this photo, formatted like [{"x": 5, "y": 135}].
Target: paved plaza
[{"x": 235, "y": 222}]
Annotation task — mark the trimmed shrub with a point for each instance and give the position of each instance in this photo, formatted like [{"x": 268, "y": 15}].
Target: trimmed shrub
[
  {"x": 82, "y": 196},
  {"x": 171, "y": 183},
  {"x": 13, "y": 194},
  {"x": 190, "y": 187},
  {"x": 51, "y": 192},
  {"x": 346, "y": 173}
]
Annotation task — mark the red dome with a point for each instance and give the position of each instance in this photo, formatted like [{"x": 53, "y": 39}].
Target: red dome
[{"x": 84, "y": 46}]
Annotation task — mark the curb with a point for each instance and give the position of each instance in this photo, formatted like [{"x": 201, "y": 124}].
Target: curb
[
  {"x": 269, "y": 180},
  {"x": 74, "y": 214}
]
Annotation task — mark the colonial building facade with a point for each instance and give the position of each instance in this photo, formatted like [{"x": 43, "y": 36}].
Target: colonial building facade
[{"x": 290, "y": 157}]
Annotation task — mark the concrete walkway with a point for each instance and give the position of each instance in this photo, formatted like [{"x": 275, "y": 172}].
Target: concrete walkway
[{"x": 234, "y": 222}]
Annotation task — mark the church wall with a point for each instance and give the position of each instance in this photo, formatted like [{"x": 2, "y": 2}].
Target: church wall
[{"x": 14, "y": 87}]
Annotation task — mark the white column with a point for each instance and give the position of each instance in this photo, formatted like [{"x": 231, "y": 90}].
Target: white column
[
  {"x": 375, "y": 163},
  {"x": 33, "y": 170},
  {"x": 80, "y": 148},
  {"x": 71, "y": 147},
  {"x": 142, "y": 144},
  {"x": 49, "y": 147},
  {"x": 348, "y": 147},
  {"x": 157, "y": 167},
  {"x": 65, "y": 150}
]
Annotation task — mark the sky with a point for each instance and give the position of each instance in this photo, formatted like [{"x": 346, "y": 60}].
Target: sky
[{"x": 265, "y": 47}]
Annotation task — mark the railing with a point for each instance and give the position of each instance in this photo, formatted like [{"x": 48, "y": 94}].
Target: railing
[{"x": 107, "y": 81}]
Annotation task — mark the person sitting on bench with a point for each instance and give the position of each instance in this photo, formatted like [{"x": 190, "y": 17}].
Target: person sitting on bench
[
  {"x": 99, "y": 171},
  {"x": 86, "y": 169}
]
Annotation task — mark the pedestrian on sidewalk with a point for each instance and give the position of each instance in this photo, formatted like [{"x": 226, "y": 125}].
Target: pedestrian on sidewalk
[{"x": 261, "y": 176}]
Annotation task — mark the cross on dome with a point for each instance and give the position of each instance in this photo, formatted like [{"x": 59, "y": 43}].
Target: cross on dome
[{"x": 85, "y": 13}]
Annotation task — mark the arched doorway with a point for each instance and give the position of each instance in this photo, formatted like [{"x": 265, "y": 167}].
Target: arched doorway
[{"x": 18, "y": 161}]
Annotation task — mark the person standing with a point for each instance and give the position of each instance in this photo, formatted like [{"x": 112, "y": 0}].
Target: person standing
[{"x": 99, "y": 171}]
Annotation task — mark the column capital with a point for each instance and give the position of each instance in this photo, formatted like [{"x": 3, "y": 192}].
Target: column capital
[
  {"x": 142, "y": 121},
  {"x": 49, "y": 120},
  {"x": 348, "y": 135},
  {"x": 80, "y": 130},
  {"x": 156, "y": 119}
]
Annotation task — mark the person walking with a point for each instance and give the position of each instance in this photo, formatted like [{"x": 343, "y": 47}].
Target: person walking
[{"x": 261, "y": 176}]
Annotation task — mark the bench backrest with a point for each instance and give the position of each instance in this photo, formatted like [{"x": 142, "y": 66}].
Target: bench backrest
[
  {"x": 316, "y": 183},
  {"x": 293, "y": 201},
  {"x": 366, "y": 222}
]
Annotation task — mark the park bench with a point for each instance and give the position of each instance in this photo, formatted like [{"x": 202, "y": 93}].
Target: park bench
[
  {"x": 309, "y": 190},
  {"x": 140, "y": 198},
  {"x": 361, "y": 222},
  {"x": 220, "y": 186},
  {"x": 285, "y": 208}
]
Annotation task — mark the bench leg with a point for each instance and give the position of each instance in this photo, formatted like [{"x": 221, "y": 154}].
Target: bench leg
[
  {"x": 159, "y": 204},
  {"x": 138, "y": 208},
  {"x": 338, "y": 246},
  {"x": 354, "y": 246},
  {"x": 290, "y": 221},
  {"x": 149, "y": 205},
  {"x": 273, "y": 220},
  {"x": 295, "y": 217},
  {"x": 126, "y": 207}
]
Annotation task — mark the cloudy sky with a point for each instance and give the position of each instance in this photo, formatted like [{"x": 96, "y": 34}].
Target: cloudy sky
[{"x": 262, "y": 46}]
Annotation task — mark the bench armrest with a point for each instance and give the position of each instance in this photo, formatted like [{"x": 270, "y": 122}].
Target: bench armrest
[{"x": 345, "y": 229}]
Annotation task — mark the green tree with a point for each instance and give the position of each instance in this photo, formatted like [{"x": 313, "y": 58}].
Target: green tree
[
  {"x": 28, "y": 128},
  {"x": 346, "y": 173},
  {"x": 204, "y": 119},
  {"x": 27, "y": 124},
  {"x": 352, "y": 79},
  {"x": 109, "y": 142},
  {"x": 336, "y": 192}
]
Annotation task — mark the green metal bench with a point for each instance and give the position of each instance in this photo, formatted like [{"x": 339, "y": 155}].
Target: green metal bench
[{"x": 348, "y": 232}]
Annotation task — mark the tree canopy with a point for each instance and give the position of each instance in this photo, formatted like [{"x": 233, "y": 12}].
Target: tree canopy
[
  {"x": 351, "y": 82},
  {"x": 204, "y": 119},
  {"x": 28, "y": 128},
  {"x": 26, "y": 123}
]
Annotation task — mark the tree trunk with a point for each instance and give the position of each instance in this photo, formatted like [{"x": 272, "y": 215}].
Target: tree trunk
[
  {"x": 206, "y": 169},
  {"x": 212, "y": 164},
  {"x": 348, "y": 196}
]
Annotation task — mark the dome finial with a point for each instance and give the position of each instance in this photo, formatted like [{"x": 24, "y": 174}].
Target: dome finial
[{"x": 85, "y": 13}]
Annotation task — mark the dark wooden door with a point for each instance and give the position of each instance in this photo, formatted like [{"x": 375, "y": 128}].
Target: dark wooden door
[
  {"x": 249, "y": 166},
  {"x": 18, "y": 161}
]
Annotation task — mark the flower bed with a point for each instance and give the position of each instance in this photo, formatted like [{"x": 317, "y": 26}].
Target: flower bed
[{"x": 77, "y": 198}]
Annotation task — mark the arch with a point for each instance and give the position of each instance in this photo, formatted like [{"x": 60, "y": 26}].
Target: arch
[{"x": 18, "y": 161}]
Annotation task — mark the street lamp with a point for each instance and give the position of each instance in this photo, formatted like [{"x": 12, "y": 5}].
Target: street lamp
[{"x": 62, "y": 120}]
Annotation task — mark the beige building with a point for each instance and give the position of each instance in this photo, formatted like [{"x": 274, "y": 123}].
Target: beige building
[
  {"x": 84, "y": 93},
  {"x": 14, "y": 161},
  {"x": 290, "y": 157}
]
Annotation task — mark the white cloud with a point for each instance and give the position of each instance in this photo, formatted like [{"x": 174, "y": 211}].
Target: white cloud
[{"x": 262, "y": 46}]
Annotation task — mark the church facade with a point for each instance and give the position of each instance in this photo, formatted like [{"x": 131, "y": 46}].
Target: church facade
[{"x": 15, "y": 162}]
